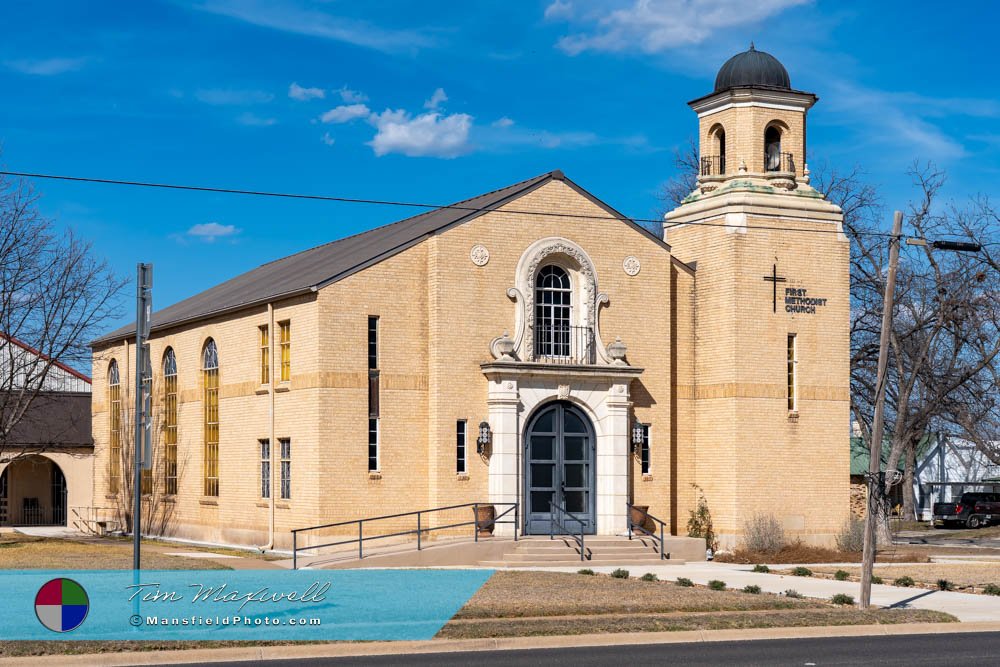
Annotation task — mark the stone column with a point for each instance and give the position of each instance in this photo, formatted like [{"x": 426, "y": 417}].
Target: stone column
[
  {"x": 612, "y": 462},
  {"x": 502, "y": 402}
]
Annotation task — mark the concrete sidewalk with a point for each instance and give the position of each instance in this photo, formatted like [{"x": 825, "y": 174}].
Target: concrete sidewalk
[{"x": 966, "y": 607}]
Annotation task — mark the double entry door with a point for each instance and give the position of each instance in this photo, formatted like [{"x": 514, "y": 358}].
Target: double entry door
[{"x": 559, "y": 456}]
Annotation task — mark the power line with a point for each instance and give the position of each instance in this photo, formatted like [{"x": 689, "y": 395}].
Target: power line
[{"x": 388, "y": 202}]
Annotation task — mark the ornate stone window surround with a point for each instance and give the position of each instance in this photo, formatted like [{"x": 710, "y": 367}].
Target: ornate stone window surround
[{"x": 586, "y": 299}]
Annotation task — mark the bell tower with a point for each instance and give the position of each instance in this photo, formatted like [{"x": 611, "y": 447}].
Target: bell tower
[{"x": 770, "y": 394}]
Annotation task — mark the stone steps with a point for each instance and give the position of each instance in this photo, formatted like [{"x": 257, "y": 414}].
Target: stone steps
[{"x": 564, "y": 552}]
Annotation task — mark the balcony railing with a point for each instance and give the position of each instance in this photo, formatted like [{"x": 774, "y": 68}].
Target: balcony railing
[
  {"x": 713, "y": 165},
  {"x": 782, "y": 162},
  {"x": 565, "y": 345}
]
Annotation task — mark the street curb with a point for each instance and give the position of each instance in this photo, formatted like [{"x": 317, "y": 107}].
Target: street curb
[{"x": 342, "y": 650}]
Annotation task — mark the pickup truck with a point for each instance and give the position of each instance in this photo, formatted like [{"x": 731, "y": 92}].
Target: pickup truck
[{"x": 972, "y": 510}]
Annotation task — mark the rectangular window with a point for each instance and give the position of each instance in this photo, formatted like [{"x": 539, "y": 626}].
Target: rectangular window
[
  {"x": 644, "y": 451},
  {"x": 372, "y": 445},
  {"x": 373, "y": 374},
  {"x": 285, "y": 341},
  {"x": 265, "y": 468},
  {"x": 372, "y": 343},
  {"x": 170, "y": 434},
  {"x": 265, "y": 355},
  {"x": 461, "y": 433},
  {"x": 286, "y": 468},
  {"x": 211, "y": 463},
  {"x": 793, "y": 403}
]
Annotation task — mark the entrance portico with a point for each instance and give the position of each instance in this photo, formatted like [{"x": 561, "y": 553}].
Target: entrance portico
[{"x": 519, "y": 390}]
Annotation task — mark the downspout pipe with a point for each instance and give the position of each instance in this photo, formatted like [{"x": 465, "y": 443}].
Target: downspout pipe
[{"x": 270, "y": 425}]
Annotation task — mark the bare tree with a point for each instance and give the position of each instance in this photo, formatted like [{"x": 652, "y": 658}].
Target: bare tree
[
  {"x": 157, "y": 510},
  {"x": 674, "y": 191},
  {"x": 945, "y": 342},
  {"x": 54, "y": 297}
]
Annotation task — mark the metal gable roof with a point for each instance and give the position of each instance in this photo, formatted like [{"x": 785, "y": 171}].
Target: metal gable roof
[{"x": 317, "y": 267}]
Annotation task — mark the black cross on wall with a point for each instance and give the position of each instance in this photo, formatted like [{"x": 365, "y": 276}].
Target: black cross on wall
[{"x": 775, "y": 279}]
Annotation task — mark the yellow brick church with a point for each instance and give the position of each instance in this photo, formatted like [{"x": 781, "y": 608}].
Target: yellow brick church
[{"x": 530, "y": 345}]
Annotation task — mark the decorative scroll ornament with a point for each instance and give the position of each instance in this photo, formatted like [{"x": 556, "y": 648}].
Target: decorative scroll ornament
[
  {"x": 631, "y": 265},
  {"x": 479, "y": 255}
]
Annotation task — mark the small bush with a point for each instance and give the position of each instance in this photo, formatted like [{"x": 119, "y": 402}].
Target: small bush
[
  {"x": 586, "y": 571},
  {"x": 761, "y": 568},
  {"x": 763, "y": 533},
  {"x": 620, "y": 574},
  {"x": 684, "y": 581},
  {"x": 649, "y": 576},
  {"x": 876, "y": 579},
  {"x": 842, "y": 598},
  {"x": 841, "y": 575},
  {"x": 906, "y": 582},
  {"x": 991, "y": 589},
  {"x": 700, "y": 522},
  {"x": 792, "y": 593},
  {"x": 717, "y": 585},
  {"x": 852, "y": 536},
  {"x": 753, "y": 590},
  {"x": 945, "y": 585},
  {"x": 802, "y": 572}
]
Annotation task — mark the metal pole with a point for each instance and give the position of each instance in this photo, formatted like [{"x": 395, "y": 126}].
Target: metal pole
[
  {"x": 295, "y": 550},
  {"x": 361, "y": 541},
  {"x": 661, "y": 542},
  {"x": 475, "y": 523},
  {"x": 142, "y": 285},
  {"x": 418, "y": 531},
  {"x": 875, "y": 446}
]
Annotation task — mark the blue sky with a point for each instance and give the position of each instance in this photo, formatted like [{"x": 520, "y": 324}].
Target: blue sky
[{"x": 438, "y": 101}]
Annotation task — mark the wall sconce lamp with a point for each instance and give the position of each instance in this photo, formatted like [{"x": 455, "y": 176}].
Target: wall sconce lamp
[
  {"x": 638, "y": 435},
  {"x": 485, "y": 436}
]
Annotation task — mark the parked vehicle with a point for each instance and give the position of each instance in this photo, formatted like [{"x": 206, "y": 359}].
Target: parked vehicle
[{"x": 972, "y": 510}]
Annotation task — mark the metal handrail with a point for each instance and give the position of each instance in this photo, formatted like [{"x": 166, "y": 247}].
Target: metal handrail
[
  {"x": 553, "y": 521},
  {"x": 418, "y": 531},
  {"x": 641, "y": 529}
]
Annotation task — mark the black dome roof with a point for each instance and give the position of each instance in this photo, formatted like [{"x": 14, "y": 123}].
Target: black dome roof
[{"x": 752, "y": 68}]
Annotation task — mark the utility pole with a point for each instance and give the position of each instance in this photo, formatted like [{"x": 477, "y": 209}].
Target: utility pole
[
  {"x": 142, "y": 443},
  {"x": 876, "y": 484}
]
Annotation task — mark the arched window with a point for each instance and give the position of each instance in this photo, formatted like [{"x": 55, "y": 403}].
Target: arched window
[
  {"x": 772, "y": 149},
  {"x": 553, "y": 307},
  {"x": 115, "y": 439},
  {"x": 210, "y": 377},
  {"x": 720, "y": 145},
  {"x": 169, "y": 422}
]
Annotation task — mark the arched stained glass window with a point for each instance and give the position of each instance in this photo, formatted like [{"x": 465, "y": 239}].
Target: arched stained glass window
[
  {"x": 115, "y": 425},
  {"x": 210, "y": 378},
  {"x": 169, "y": 422}
]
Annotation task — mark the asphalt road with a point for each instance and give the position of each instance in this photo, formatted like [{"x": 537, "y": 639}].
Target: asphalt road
[{"x": 947, "y": 649}]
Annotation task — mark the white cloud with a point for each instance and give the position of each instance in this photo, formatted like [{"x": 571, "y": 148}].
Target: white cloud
[
  {"x": 901, "y": 119},
  {"x": 503, "y": 122},
  {"x": 232, "y": 97},
  {"x": 352, "y": 96},
  {"x": 652, "y": 26},
  {"x": 46, "y": 66},
  {"x": 253, "y": 120},
  {"x": 345, "y": 113},
  {"x": 292, "y": 16},
  {"x": 297, "y": 92},
  {"x": 327, "y": 139},
  {"x": 426, "y": 135},
  {"x": 559, "y": 10},
  {"x": 209, "y": 231},
  {"x": 436, "y": 100}
]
